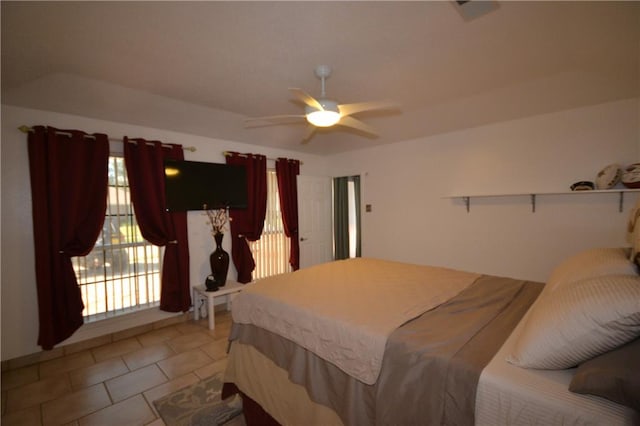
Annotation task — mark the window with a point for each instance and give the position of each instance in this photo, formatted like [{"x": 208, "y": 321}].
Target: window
[
  {"x": 122, "y": 272},
  {"x": 271, "y": 252}
]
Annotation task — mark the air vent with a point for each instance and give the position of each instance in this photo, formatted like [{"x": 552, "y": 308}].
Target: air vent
[{"x": 472, "y": 9}]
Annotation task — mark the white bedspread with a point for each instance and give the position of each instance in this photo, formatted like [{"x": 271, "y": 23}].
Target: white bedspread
[
  {"x": 344, "y": 311},
  {"x": 510, "y": 395}
]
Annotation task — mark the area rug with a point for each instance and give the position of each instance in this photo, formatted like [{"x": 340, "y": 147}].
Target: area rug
[{"x": 200, "y": 404}]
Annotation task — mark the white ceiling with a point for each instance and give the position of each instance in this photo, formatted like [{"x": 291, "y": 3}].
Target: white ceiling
[{"x": 202, "y": 67}]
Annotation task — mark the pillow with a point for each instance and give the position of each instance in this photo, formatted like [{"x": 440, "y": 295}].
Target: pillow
[
  {"x": 582, "y": 320},
  {"x": 590, "y": 263},
  {"x": 614, "y": 375},
  {"x": 633, "y": 230}
]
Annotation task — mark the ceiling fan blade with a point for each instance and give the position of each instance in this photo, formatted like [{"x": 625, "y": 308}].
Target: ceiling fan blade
[
  {"x": 357, "y": 124},
  {"x": 272, "y": 119},
  {"x": 348, "y": 109},
  {"x": 306, "y": 98},
  {"x": 311, "y": 129}
]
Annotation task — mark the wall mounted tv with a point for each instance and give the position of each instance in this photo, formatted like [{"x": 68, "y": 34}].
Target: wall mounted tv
[{"x": 192, "y": 185}]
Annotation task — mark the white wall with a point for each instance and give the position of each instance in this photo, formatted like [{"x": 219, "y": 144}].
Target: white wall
[
  {"x": 19, "y": 302},
  {"x": 410, "y": 221},
  {"x": 404, "y": 182}
]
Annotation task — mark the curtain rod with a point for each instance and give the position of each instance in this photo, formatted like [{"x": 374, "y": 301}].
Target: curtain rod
[
  {"x": 227, "y": 154},
  {"x": 27, "y": 129}
]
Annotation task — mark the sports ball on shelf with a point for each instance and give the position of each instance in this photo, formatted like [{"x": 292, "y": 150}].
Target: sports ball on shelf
[
  {"x": 631, "y": 176},
  {"x": 608, "y": 177}
]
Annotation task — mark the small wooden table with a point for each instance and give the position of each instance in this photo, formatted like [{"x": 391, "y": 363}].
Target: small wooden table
[{"x": 200, "y": 293}]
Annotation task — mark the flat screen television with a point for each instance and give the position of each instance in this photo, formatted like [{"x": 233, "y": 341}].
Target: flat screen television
[{"x": 194, "y": 185}]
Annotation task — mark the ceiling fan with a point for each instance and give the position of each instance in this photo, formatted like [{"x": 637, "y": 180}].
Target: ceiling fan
[{"x": 324, "y": 112}]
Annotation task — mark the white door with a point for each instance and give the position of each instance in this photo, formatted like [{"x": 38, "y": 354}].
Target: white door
[{"x": 315, "y": 220}]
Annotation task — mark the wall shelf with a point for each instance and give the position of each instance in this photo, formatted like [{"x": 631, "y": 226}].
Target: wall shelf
[{"x": 534, "y": 195}]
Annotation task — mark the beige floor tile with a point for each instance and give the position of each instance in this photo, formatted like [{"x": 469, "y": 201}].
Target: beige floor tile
[
  {"x": 217, "y": 349},
  {"x": 190, "y": 327},
  {"x": 105, "y": 370},
  {"x": 158, "y": 336},
  {"x": 75, "y": 405},
  {"x": 115, "y": 349},
  {"x": 222, "y": 329},
  {"x": 184, "y": 363},
  {"x": 123, "y": 387},
  {"x": 147, "y": 355},
  {"x": 189, "y": 341},
  {"x": 36, "y": 393},
  {"x": 66, "y": 364},
  {"x": 28, "y": 417},
  {"x": 169, "y": 387},
  {"x": 80, "y": 388},
  {"x": 131, "y": 412},
  {"x": 221, "y": 332},
  {"x": 223, "y": 316},
  {"x": 211, "y": 369},
  {"x": 22, "y": 376}
]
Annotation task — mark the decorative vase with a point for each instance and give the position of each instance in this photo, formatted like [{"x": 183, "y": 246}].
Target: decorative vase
[{"x": 219, "y": 261}]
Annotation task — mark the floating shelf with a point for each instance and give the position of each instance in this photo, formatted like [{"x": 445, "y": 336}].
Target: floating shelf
[{"x": 533, "y": 195}]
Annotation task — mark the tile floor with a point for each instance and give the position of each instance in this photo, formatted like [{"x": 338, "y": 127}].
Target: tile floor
[{"x": 114, "y": 383}]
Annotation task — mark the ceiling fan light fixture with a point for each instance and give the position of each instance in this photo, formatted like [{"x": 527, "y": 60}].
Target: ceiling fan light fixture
[{"x": 325, "y": 117}]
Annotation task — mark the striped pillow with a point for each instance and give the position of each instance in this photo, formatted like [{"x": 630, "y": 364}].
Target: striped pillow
[
  {"x": 590, "y": 263},
  {"x": 582, "y": 320}
]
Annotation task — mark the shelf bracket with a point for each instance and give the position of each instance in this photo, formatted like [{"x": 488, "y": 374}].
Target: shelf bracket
[
  {"x": 533, "y": 202},
  {"x": 467, "y": 201},
  {"x": 621, "y": 206}
]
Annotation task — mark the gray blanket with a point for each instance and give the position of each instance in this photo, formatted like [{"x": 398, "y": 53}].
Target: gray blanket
[{"x": 431, "y": 364}]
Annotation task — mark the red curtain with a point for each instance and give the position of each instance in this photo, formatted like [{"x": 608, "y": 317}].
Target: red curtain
[
  {"x": 68, "y": 170},
  {"x": 246, "y": 224},
  {"x": 144, "y": 161},
  {"x": 286, "y": 172}
]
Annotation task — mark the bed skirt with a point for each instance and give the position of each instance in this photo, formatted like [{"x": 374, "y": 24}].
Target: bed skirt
[{"x": 281, "y": 401}]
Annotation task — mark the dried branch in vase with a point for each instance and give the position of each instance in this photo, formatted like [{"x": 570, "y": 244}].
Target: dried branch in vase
[{"x": 218, "y": 220}]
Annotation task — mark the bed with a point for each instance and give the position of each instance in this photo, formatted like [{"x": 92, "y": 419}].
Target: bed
[{"x": 369, "y": 341}]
